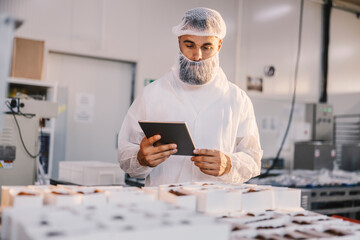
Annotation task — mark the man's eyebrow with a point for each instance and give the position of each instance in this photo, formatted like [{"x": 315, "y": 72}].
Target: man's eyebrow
[
  {"x": 188, "y": 41},
  {"x": 205, "y": 44}
]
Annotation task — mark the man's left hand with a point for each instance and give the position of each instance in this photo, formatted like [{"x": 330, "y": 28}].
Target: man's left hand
[{"x": 212, "y": 162}]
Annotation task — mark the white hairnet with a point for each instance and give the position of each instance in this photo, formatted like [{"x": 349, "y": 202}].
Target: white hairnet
[{"x": 201, "y": 22}]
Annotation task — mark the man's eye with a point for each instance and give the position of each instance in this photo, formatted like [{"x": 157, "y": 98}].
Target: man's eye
[
  {"x": 189, "y": 46},
  {"x": 206, "y": 48}
]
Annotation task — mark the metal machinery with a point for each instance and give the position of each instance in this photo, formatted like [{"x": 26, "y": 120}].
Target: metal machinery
[
  {"x": 320, "y": 151},
  {"x": 314, "y": 155},
  {"x": 334, "y": 139},
  {"x": 7, "y": 27},
  {"x": 21, "y": 130},
  {"x": 347, "y": 141},
  {"x": 339, "y": 200},
  {"x": 320, "y": 117},
  {"x": 350, "y": 157},
  {"x": 18, "y": 168}
]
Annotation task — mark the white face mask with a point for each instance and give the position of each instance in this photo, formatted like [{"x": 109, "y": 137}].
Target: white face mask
[{"x": 198, "y": 72}]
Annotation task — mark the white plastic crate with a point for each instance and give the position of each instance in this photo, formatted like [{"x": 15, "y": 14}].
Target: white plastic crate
[{"x": 91, "y": 173}]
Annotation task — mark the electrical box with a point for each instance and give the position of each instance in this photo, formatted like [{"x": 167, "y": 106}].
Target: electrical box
[{"x": 320, "y": 117}]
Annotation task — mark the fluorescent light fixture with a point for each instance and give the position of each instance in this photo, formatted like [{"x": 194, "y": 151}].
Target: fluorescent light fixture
[{"x": 273, "y": 13}]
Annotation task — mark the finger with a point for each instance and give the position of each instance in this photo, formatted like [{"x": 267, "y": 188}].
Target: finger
[
  {"x": 210, "y": 172},
  {"x": 153, "y": 139},
  {"x": 166, "y": 147},
  {"x": 206, "y": 152},
  {"x": 209, "y": 166},
  {"x": 157, "y": 162},
  {"x": 156, "y": 156},
  {"x": 148, "y": 151},
  {"x": 204, "y": 159}
]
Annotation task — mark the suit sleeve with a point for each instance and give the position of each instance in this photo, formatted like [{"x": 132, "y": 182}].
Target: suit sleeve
[
  {"x": 246, "y": 158},
  {"x": 129, "y": 140}
]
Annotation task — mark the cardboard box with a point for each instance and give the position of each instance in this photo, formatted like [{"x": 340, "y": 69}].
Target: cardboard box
[
  {"x": 5, "y": 195},
  {"x": 53, "y": 224},
  {"x": 260, "y": 200},
  {"x": 233, "y": 200},
  {"x": 25, "y": 198},
  {"x": 129, "y": 195},
  {"x": 60, "y": 197},
  {"x": 187, "y": 200},
  {"x": 7, "y": 222},
  {"x": 20, "y": 197},
  {"x": 179, "y": 232},
  {"x": 286, "y": 198},
  {"x": 153, "y": 191},
  {"x": 28, "y": 58},
  {"x": 11, "y": 217},
  {"x": 209, "y": 201},
  {"x": 90, "y": 196}
]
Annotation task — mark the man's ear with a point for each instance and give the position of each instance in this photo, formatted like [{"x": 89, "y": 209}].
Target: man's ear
[{"x": 220, "y": 45}]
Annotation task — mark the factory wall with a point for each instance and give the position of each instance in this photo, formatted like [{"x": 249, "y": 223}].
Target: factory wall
[
  {"x": 269, "y": 36},
  {"x": 344, "y": 62},
  {"x": 259, "y": 33},
  {"x": 130, "y": 30}
]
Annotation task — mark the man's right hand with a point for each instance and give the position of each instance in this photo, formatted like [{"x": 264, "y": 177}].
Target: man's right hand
[{"x": 150, "y": 155}]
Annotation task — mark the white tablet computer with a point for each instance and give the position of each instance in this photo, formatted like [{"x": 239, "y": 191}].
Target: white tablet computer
[{"x": 171, "y": 132}]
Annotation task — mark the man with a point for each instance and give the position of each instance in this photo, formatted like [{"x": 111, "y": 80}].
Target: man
[{"x": 219, "y": 115}]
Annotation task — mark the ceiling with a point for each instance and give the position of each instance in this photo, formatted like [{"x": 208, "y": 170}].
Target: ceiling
[{"x": 348, "y": 5}]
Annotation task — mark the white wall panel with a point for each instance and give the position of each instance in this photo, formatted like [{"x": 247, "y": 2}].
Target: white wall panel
[
  {"x": 132, "y": 30},
  {"x": 344, "y": 55},
  {"x": 46, "y": 20},
  {"x": 270, "y": 37},
  {"x": 122, "y": 29},
  {"x": 107, "y": 84},
  {"x": 87, "y": 22},
  {"x": 345, "y": 103}
]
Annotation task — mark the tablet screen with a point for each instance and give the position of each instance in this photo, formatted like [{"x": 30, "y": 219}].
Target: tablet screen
[{"x": 171, "y": 132}]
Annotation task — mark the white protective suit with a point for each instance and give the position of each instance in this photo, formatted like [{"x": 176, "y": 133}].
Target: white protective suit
[{"x": 219, "y": 115}]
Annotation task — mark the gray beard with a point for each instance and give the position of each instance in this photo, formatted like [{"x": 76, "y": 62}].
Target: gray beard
[{"x": 198, "y": 73}]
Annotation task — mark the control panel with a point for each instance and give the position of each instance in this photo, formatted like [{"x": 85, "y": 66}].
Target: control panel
[{"x": 320, "y": 116}]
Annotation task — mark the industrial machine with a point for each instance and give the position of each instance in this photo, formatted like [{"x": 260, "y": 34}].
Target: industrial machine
[
  {"x": 19, "y": 144},
  {"x": 347, "y": 141},
  {"x": 40, "y": 109},
  {"x": 19, "y": 127},
  {"x": 320, "y": 151},
  {"x": 18, "y": 168},
  {"x": 314, "y": 155}
]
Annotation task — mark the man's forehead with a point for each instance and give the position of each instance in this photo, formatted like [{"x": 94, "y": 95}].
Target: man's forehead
[{"x": 199, "y": 39}]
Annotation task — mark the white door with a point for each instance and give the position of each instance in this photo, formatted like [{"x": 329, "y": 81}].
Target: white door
[{"x": 99, "y": 93}]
